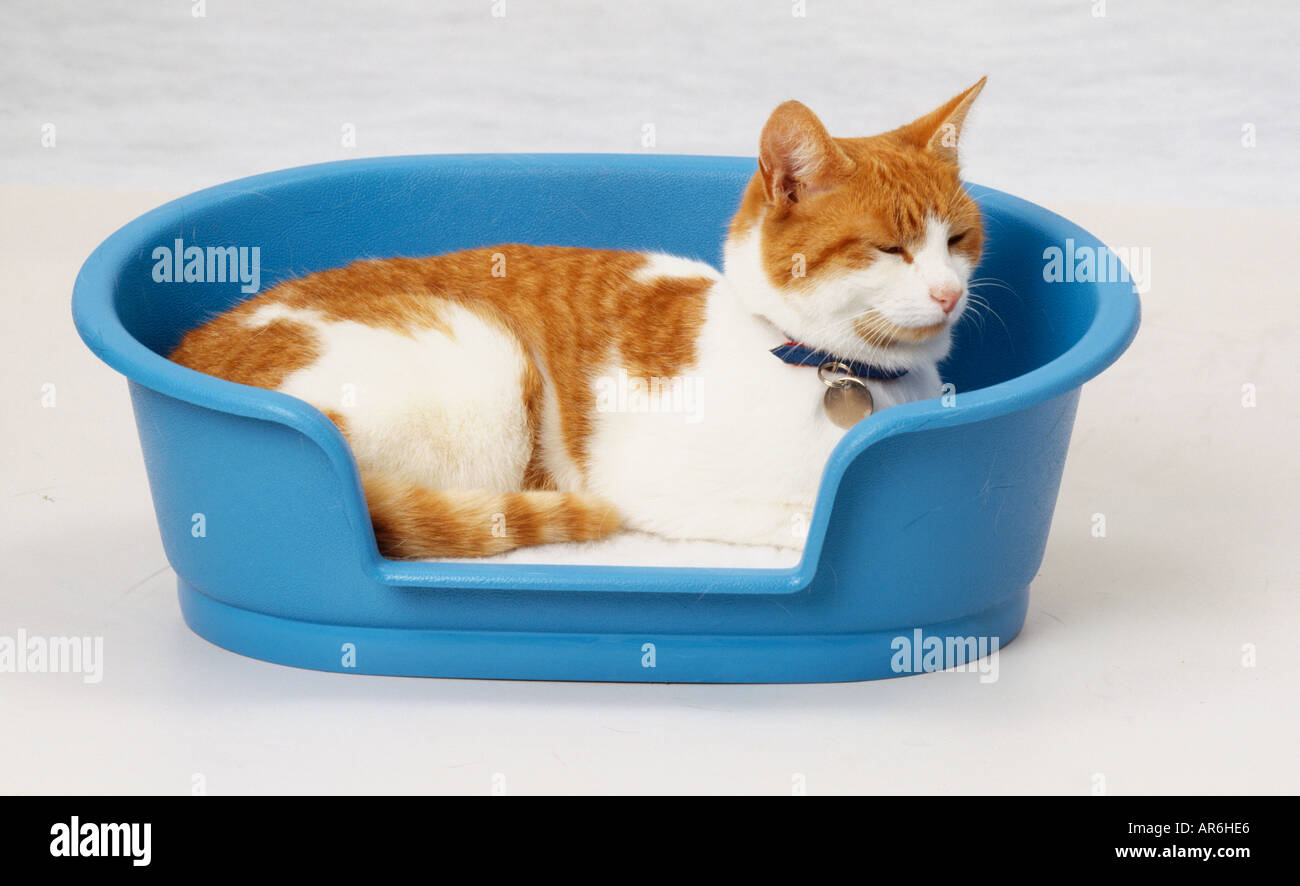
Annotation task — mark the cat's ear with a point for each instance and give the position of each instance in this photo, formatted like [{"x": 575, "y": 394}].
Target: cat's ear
[
  {"x": 796, "y": 155},
  {"x": 939, "y": 130}
]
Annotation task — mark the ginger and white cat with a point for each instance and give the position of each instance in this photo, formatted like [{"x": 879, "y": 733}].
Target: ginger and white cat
[{"x": 487, "y": 411}]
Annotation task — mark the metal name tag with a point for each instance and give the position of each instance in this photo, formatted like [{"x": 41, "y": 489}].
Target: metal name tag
[{"x": 848, "y": 400}]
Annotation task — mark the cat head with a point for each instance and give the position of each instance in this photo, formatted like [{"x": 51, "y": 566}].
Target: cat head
[{"x": 862, "y": 247}]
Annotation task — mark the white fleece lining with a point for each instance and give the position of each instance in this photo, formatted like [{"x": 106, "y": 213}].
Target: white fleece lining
[{"x": 643, "y": 549}]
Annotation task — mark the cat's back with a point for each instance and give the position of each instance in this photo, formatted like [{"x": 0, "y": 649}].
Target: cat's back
[{"x": 565, "y": 305}]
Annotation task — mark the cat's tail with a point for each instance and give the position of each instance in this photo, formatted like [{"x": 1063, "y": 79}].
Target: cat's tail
[{"x": 415, "y": 522}]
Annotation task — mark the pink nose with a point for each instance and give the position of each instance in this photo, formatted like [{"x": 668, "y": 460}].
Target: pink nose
[{"x": 946, "y": 296}]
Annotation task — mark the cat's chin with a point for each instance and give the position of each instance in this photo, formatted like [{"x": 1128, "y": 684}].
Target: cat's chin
[
  {"x": 915, "y": 350},
  {"x": 896, "y": 344},
  {"x": 901, "y": 336},
  {"x": 873, "y": 328}
]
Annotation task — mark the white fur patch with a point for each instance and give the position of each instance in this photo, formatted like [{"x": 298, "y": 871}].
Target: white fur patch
[
  {"x": 442, "y": 410},
  {"x": 660, "y": 265},
  {"x": 269, "y": 313}
]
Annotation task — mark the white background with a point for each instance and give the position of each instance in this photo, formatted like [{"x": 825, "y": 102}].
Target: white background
[{"x": 1129, "y": 673}]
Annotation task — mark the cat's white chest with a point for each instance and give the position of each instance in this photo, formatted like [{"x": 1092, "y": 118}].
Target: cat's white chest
[{"x": 920, "y": 383}]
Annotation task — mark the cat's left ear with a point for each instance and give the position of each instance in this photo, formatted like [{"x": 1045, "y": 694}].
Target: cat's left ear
[{"x": 939, "y": 130}]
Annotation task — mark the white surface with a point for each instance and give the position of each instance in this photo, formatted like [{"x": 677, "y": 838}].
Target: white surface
[
  {"x": 1145, "y": 104},
  {"x": 1130, "y": 664}
]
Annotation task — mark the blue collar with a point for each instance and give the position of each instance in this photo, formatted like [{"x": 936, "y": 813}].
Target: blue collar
[{"x": 802, "y": 355}]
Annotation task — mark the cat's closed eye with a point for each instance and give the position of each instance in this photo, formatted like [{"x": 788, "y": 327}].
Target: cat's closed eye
[
  {"x": 955, "y": 239},
  {"x": 891, "y": 250}
]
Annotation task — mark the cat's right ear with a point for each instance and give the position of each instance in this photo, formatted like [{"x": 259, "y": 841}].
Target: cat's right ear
[{"x": 796, "y": 155}]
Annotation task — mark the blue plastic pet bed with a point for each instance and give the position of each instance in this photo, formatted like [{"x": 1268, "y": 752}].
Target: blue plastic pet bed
[{"x": 930, "y": 521}]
